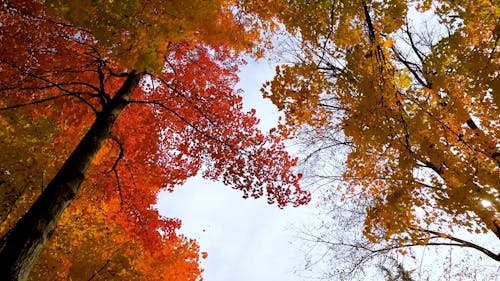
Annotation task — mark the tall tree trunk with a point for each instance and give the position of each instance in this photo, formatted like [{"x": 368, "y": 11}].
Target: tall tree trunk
[{"x": 20, "y": 247}]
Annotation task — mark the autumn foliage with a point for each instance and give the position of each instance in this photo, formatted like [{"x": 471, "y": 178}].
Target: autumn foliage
[
  {"x": 106, "y": 103},
  {"x": 416, "y": 109},
  {"x": 148, "y": 101}
]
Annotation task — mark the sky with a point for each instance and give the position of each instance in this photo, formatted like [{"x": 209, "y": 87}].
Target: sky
[{"x": 246, "y": 239}]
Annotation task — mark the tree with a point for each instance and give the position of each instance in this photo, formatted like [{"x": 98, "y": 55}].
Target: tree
[
  {"x": 92, "y": 241},
  {"x": 148, "y": 125},
  {"x": 415, "y": 107}
]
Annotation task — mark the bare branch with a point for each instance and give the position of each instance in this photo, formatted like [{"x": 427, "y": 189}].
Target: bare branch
[{"x": 412, "y": 44}]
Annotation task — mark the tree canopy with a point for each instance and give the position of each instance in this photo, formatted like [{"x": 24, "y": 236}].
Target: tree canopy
[
  {"x": 110, "y": 102},
  {"x": 106, "y": 103},
  {"x": 410, "y": 91}
]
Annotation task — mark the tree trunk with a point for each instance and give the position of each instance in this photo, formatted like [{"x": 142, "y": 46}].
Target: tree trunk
[{"x": 20, "y": 247}]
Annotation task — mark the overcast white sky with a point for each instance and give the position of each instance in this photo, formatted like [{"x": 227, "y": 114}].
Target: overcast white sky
[{"x": 246, "y": 239}]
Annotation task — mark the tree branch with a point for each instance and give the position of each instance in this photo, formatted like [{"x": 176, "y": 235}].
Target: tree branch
[
  {"x": 113, "y": 168},
  {"x": 459, "y": 242},
  {"x": 161, "y": 105},
  {"x": 103, "y": 97},
  {"x": 34, "y": 102},
  {"x": 178, "y": 92},
  {"x": 97, "y": 272},
  {"x": 410, "y": 66}
]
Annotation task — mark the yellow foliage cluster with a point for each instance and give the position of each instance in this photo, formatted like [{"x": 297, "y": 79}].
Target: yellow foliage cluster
[{"x": 422, "y": 115}]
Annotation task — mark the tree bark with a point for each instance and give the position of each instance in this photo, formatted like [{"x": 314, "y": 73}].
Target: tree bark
[{"x": 20, "y": 247}]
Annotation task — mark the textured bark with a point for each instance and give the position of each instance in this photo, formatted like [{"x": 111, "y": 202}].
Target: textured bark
[{"x": 20, "y": 247}]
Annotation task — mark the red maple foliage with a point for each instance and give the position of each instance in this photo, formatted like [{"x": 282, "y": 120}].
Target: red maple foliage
[{"x": 144, "y": 130}]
